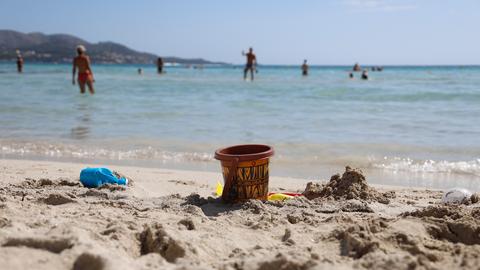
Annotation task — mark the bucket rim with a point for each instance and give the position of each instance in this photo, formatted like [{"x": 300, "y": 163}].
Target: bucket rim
[{"x": 244, "y": 157}]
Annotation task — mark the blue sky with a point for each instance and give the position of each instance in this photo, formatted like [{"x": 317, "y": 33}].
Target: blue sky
[{"x": 281, "y": 32}]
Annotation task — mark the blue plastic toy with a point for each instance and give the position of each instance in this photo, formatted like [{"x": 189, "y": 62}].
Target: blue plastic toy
[{"x": 96, "y": 177}]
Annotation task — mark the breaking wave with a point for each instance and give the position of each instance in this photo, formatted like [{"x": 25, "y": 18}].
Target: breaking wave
[
  {"x": 471, "y": 167},
  {"x": 73, "y": 151}
]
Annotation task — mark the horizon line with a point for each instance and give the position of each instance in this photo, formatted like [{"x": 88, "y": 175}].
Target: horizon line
[{"x": 264, "y": 65}]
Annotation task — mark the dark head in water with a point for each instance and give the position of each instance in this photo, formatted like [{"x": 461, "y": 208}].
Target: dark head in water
[{"x": 365, "y": 75}]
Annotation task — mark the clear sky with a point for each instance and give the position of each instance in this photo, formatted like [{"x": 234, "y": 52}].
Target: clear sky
[{"x": 281, "y": 32}]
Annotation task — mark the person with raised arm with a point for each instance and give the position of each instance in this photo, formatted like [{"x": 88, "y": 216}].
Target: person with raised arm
[{"x": 251, "y": 63}]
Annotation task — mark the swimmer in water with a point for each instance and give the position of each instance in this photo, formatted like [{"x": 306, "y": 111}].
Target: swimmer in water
[
  {"x": 350, "y": 75},
  {"x": 85, "y": 74},
  {"x": 365, "y": 75},
  {"x": 305, "y": 68},
  {"x": 251, "y": 63},
  {"x": 140, "y": 71}
]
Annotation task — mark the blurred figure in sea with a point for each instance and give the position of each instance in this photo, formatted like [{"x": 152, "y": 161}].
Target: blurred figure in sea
[
  {"x": 305, "y": 68},
  {"x": 160, "y": 65},
  {"x": 19, "y": 62},
  {"x": 140, "y": 71},
  {"x": 85, "y": 74},
  {"x": 251, "y": 63},
  {"x": 350, "y": 75},
  {"x": 357, "y": 67},
  {"x": 365, "y": 74}
]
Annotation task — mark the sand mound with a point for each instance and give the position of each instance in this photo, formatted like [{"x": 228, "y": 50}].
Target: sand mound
[
  {"x": 436, "y": 237},
  {"x": 279, "y": 261},
  {"x": 351, "y": 185},
  {"x": 283, "y": 262},
  {"x": 440, "y": 211},
  {"x": 373, "y": 242},
  {"x": 87, "y": 261},
  {"x": 454, "y": 223},
  {"x": 359, "y": 239}
]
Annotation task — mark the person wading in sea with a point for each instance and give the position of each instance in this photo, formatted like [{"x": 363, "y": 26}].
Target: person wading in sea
[
  {"x": 356, "y": 67},
  {"x": 160, "y": 65},
  {"x": 85, "y": 74},
  {"x": 305, "y": 68},
  {"x": 365, "y": 74},
  {"x": 251, "y": 63},
  {"x": 19, "y": 62}
]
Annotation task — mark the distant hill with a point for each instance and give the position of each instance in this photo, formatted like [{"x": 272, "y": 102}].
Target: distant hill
[{"x": 60, "y": 48}]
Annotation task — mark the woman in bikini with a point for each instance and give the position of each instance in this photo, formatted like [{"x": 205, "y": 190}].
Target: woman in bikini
[{"x": 85, "y": 74}]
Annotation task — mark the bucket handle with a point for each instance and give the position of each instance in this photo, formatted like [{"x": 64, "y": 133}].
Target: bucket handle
[{"x": 227, "y": 194}]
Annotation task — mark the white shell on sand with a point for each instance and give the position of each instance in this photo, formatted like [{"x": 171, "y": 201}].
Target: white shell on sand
[{"x": 456, "y": 195}]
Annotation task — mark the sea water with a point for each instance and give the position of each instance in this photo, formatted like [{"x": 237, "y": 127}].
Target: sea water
[{"x": 409, "y": 126}]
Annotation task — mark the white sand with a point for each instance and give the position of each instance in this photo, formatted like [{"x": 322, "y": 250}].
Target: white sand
[{"x": 55, "y": 223}]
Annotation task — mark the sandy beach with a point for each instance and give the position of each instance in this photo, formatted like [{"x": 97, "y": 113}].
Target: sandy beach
[{"x": 167, "y": 219}]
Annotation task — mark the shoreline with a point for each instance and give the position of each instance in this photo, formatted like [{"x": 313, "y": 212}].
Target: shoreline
[
  {"x": 53, "y": 169},
  {"x": 377, "y": 177},
  {"x": 207, "y": 177},
  {"x": 308, "y": 161}
]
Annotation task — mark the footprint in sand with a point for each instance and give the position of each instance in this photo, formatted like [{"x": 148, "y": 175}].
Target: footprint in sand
[{"x": 57, "y": 199}]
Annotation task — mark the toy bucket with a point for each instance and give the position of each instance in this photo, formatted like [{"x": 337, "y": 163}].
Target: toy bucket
[{"x": 245, "y": 171}]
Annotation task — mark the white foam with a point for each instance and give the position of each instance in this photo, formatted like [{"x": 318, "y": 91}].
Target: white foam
[
  {"x": 149, "y": 153},
  {"x": 72, "y": 151},
  {"x": 471, "y": 167}
]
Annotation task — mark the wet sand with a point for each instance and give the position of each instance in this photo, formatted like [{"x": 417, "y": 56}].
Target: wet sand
[{"x": 171, "y": 220}]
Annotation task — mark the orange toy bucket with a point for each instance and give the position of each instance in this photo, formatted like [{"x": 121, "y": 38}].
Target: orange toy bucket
[{"x": 245, "y": 171}]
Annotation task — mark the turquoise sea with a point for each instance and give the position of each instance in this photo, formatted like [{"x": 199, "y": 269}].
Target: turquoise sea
[{"x": 409, "y": 126}]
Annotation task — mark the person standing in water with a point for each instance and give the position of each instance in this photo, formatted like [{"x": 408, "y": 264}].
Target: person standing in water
[
  {"x": 356, "y": 67},
  {"x": 160, "y": 65},
  {"x": 19, "y": 62},
  {"x": 365, "y": 74},
  {"x": 85, "y": 74},
  {"x": 251, "y": 63},
  {"x": 305, "y": 68}
]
